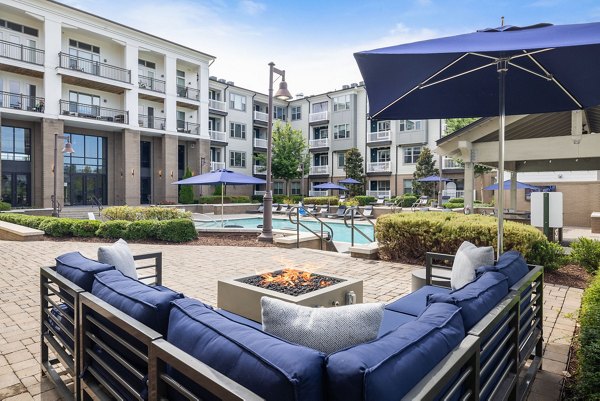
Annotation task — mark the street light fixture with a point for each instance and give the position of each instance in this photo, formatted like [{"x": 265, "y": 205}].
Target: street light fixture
[
  {"x": 68, "y": 148},
  {"x": 281, "y": 94}
]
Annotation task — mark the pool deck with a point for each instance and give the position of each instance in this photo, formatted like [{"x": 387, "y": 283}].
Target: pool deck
[{"x": 194, "y": 270}]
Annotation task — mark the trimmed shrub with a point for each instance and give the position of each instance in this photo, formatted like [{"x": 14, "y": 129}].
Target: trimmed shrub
[
  {"x": 142, "y": 229},
  {"x": 364, "y": 200},
  {"x": 180, "y": 230},
  {"x": 456, "y": 200},
  {"x": 321, "y": 200},
  {"x": 57, "y": 227},
  {"x": 85, "y": 228},
  {"x": 186, "y": 193},
  {"x": 405, "y": 200},
  {"x": 453, "y": 205},
  {"x": 113, "y": 229},
  {"x": 130, "y": 213},
  {"x": 548, "y": 254},
  {"x": 4, "y": 206},
  {"x": 350, "y": 202},
  {"x": 226, "y": 199},
  {"x": 586, "y": 252}
]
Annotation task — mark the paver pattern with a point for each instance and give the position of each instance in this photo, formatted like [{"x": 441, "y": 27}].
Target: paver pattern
[{"x": 194, "y": 270}]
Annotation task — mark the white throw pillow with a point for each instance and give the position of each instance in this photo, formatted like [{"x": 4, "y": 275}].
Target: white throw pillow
[
  {"x": 468, "y": 258},
  {"x": 325, "y": 329},
  {"x": 119, "y": 255}
]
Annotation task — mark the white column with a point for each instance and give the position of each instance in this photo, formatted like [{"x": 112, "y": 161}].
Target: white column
[
  {"x": 513, "y": 190},
  {"x": 171, "y": 92},
  {"x": 131, "y": 96},
  {"x": 52, "y": 80},
  {"x": 203, "y": 110},
  {"x": 469, "y": 185}
]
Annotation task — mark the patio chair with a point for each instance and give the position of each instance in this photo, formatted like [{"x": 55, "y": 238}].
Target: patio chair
[
  {"x": 379, "y": 202},
  {"x": 284, "y": 208},
  {"x": 367, "y": 212},
  {"x": 310, "y": 208},
  {"x": 421, "y": 202},
  {"x": 260, "y": 209},
  {"x": 342, "y": 197},
  {"x": 323, "y": 210},
  {"x": 276, "y": 207},
  {"x": 340, "y": 213}
]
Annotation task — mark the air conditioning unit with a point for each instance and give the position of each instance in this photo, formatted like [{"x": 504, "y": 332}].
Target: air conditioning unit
[
  {"x": 354, "y": 85},
  {"x": 221, "y": 80},
  {"x": 212, "y": 78},
  {"x": 345, "y": 86},
  {"x": 361, "y": 83},
  {"x": 230, "y": 83}
]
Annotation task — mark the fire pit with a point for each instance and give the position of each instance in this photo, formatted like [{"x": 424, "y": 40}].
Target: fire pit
[{"x": 242, "y": 295}]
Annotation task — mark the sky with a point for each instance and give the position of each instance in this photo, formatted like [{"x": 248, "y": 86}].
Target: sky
[{"x": 314, "y": 41}]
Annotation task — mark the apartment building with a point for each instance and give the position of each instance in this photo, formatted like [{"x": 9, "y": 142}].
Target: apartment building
[{"x": 134, "y": 107}]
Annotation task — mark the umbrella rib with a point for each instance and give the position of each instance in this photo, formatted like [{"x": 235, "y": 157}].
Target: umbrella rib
[
  {"x": 546, "y": 77},
  {"x": 457, "y": 75}
]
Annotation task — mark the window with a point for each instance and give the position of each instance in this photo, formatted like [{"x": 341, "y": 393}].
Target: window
[
  {"x": 84, "y": 57},
  {"x": 410, "y": 125},
  {"x": 341, "y": 131},
  {"x": 277, "y": 188},
  {"x": 408, "y": 187},
  {"x": 341, "y": 103},
  {"x": 379, "y": 126},
  {"x": 296, "y": 113},
  {"x": 341, "y": 157},
  {"x": 16, "y": 143},
  {"x": 296, "y": 188},
  {"x": 237, "y": 102},
  {"x": 84, "y": 104},
  {"x": 320, "y": 133},
  {"x": 147, "y": 64},
  {"x": 279, "y": 113},
  {"x": 237, "y": 130},
  {"x": 214, "y": 95},
  {"x": 383, "y": 185},
  {"x": 18, "y": 28},
  {"x": 319, "y": 107},
  {"x": 411, "y": 154},
  {"x": 237, "y": 159},
  {"x": 321, "y": 159},
  {"x": 382, "y": 155}
]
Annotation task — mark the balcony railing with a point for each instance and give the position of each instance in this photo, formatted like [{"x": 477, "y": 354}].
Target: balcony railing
[
  {"x": 94, "y": 68},
  {"x": 260, "y": 143},
  {"x": 257, "y": 169},
  {"x": 19, "y": 52},
  {"x": 217, "y": 105},
  {"x": 453, "y": 193},
  {"x": 318, "y": 143},
  {"x": 320, "y": 116},
  {"x": 188, "y": 93},
  {"x": 151, "y": 84},
  {"x": 319, "y": 170},
  {"x": 259, "y": 193},
  {"x": 317, "y": 193},
  {"x": 188, "y": 128},
  {"x": 216, "y": 166},
  {"x": 74, "y": 109},
  {"x": 218, "y": 135},
  {"x": 151, "y": 122},
  {"x": 379, "y": 136},
  {"x": 448, "y": 163},
  {"x": 260, "y": 116},
  {"x": 21, "y": 102},
  {"x": 379, "y": 167},
  {"x": 377, "y": 194}
]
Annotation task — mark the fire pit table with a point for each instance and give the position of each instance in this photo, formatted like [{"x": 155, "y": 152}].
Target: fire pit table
[{"x": 242, "y": 295}]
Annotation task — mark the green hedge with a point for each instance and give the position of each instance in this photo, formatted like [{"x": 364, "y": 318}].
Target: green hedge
[
  {"x": 453, "y": 205},
  {"x": 130, "y": 213},
  {"x": 322, "y": 200},
  {"x": 364, "y": 200},
  {"x": 216, "y": 199},
  {"x": 405, "y": 200},
  {"x": 586, "y": 252},
  {"x": 408, "y": 236},
  {"x": 456, "y": 200},
  {"x": 587, "y": 386},
  {"x": 4, "y": 206}
]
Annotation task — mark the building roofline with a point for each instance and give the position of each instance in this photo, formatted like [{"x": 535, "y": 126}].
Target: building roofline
[{"x": 463, "y": 130}]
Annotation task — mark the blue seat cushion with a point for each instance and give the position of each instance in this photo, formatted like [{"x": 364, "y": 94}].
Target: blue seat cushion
[
  {"x": 511, "y": 264},
  {"x": 270, "y": 367},
  {"x": 390, "y": 366},
  {"x": 59, "y": 312},
  {"x": 79, "y": 269},
  {"x": 392, "y": 320},
  {"x": 477, "y": 298},
  {"x": 416, "y": 302}
]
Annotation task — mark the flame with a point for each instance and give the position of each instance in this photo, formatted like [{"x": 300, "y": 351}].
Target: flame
[{"x": 287, "y": 277}]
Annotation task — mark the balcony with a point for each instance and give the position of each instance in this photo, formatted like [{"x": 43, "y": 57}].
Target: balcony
[
  {"x": 17, "y": 101},
  {"x": 217, "y": 105},
  {"x": 379, "y": 194},
  {"x": 411, "y": 137},
  {"x": 19, "y": 52},
  {"x": 188, "y": 128},
  {"x": 379, "y": 167},
  {"x": 258, "y": 169},
  {"x": 317, "y": 193},
  {"x": 216, "y": 166},
  {"x": 219, "y": 136},
  {"x": 260, "y": 116},
  {"x": 379, "y": 136},
  {"x": 318, "y": 143},
  {"x": 260, "y": 143},
  {"x": 94, "y": 68},
  {"x": 319, "y": 170},
  {"x": 448, "y": 163},
  {"x": 151, "y": 84},
  {"x": 151, "y": 122},
  {"x": 320, "y": 116},
  {"x": 188, "y": 93},
  {"x": 74, "y": 109},
  {"x": 454, "y": 193}
]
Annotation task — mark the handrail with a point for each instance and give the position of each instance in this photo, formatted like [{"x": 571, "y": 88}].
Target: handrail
[
  {"x": 298, "y": 224},
  {"x": 97, "y": 202},
  {"x": 353, "y": 227},
  {"x": 22, "y": 53},
  {"x": 58, "y": 208},
  {"x": 93, "y": 67},
  {"x": 209, "y": 218}
]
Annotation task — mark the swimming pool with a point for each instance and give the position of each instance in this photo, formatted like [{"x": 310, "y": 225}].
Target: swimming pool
[{"x": 340, "y": 231}]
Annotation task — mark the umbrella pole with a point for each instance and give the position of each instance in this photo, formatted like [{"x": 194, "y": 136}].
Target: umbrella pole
[
  {"x": 222, "y": 190},
  {"x": 502, "y": 69}
]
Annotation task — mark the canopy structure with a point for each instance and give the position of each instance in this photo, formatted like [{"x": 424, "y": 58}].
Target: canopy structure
[
  {"x": 507, "y": 185},
  {"x": 350, "y": 181},
  {"x": 434, "y": 178},
  {"x": 331, "y": 185}
]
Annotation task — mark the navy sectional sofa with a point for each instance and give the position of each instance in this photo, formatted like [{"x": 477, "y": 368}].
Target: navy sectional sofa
[{"x": 107, "y": 336}]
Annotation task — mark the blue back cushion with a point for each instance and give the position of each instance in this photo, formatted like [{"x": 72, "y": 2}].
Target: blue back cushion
[
  {"x": 389, "y": 367},
  {"x": 415, "y": 303},
  {"x": 477, "y": 298},
  {"x": 270, "y": 367},
  {"x": 511, "y": 264},
  {"x": 79, "y": 269}
]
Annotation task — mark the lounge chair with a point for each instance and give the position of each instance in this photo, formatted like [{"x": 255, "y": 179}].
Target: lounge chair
[
  {"x": 276, "y": 207},
  {"x": 310, "y": 208},
  {"x": 421, "y": 202},
  {"x": 367, "y": 212},
  {"x": 323, "y": 210},
  {"x": 340, "y": 213},
  {"x": 260, "y": 209},
  {"x": 379, "y": 202},
  {"x": 284, "y": 208}
]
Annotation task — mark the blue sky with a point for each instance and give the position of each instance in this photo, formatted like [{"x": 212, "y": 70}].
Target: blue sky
[{"x": 314, "y": 40}]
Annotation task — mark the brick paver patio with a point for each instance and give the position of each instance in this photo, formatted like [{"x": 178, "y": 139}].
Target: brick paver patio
[{"x": 194, "y": 270}]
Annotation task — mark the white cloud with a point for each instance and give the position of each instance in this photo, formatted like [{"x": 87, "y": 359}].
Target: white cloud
[{"x": 252, "y": 7}]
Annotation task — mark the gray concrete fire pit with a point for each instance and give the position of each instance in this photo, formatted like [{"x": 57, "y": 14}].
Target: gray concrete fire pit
[{"x": 242, "y": 295}]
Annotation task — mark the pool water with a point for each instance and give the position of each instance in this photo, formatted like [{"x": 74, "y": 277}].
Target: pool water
[{"x": 341, "y": 233}]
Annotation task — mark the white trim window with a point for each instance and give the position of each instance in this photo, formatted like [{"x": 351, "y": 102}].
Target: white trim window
[
  {"x": 408, "y": 186},
  {"x": 341, "y": 103},
  {"x": 341, "y": 131},
  {"x": 296, "y": 188},
  {"x": 237, "y": 159},
  {"x": 410, "y": 125},
  {"x": 341, "y": 160},
  {"x": 411, "y": 154},
  {"x": 237, "y": 102},
  {"x": 237, "y": 130},
  {"x": 278, "y": 188},
  {"x": 296, "y": 113},
  {"x": 279, "y": 113},
  {"x": 380, "y": 185}
]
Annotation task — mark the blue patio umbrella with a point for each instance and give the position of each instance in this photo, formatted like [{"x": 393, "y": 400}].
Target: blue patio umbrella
[
  {"x": 221, "y": 176},
  {"x": 433, "y": 178},
  {"x": 330, "y": 185},
  {"x": 520, "y": 185},
  {"x": 350, "y": 181},
  {"x": 546, "y": 68}
]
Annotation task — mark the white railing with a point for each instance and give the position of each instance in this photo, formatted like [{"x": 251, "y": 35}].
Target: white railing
[
  {"x": 218, "y": 135},
  {"x": 317, "y": 193},
  {"x": 318, "y": 143},
  {"x": 216, "y": 105},
  {"x": 216, "y": 166},
  {"x": 260, "y": 116},
  {"x": 259, "y": 193},
  {"x": 454, "y": 193},
  {"x": 319, "y": 170},
  {"x": 257, "y": 169},
  {"x": 379, "y": 167},
  {"x": 260, "y": 143},
  {"x": 320, "y": 116},
  {"x": 448, "y": 163},
  {"x": 379, "y": 136},
  {"x": 377, "y": 194}
]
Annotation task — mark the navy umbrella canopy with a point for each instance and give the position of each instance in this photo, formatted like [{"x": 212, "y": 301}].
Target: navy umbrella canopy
[
  {"x": 349, "y": 180},
  {"x": 433, "y": 178},
  {"x": 520, "y": 185},
  {"x": 330, "y": 185}
]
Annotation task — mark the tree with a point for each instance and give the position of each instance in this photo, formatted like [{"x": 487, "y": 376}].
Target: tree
[
  {"x": 289, "y": 152},
  {"x": 354, "y": 169},
  {"x": 425, "y": 167},
  {"x": 454, "y": 124},
  {"x": 186, "y": 194}
]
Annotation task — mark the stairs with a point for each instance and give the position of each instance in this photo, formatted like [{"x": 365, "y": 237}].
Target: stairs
[{"x": 79, "y": 212}]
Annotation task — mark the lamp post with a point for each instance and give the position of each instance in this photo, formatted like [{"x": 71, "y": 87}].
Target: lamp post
[
  {"x": 301, "y": 168},
  {"x": 282, "y": 94},
  {"x": 68, "y": 148},
  {"x": 202, "y": 164}
]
